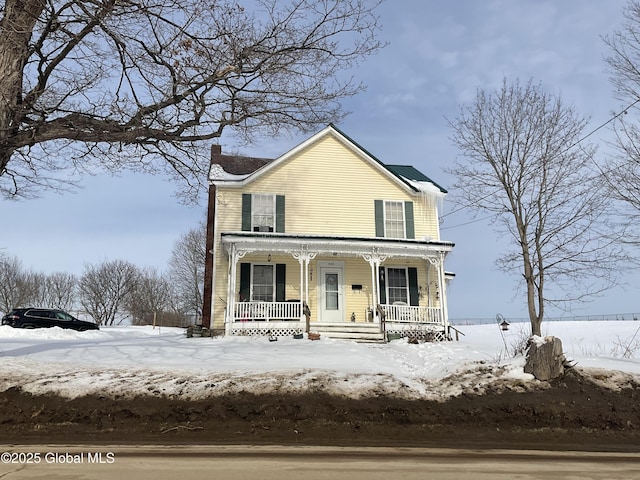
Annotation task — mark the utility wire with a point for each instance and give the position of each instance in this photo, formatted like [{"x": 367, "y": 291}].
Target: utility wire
[{"x": 468, "y": 223}]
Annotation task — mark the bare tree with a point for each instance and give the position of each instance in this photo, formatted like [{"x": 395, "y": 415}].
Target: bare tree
[
  {"x": 129, "y": 83},
  {"x": 36, "y": 283},
  {"x": 18, "y": 287},
  {"x": 105, "y": 290},
  {"x": 60, "y": 290},
  {"x": 528, "y": 168},
  {"x": 152, "y": 296},
  {"x": 187, "y": 269},
  {"x": 623, "y": 170}
]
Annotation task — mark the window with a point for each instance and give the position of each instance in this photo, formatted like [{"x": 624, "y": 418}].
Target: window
[
  {"x": 397, "y": 285},
  {"x": 332, "y": 295},
  {"x": 262, "y": 212},
  {"x": 394, "y": 219},
  {"x": 262, "y": 283},
  {"x": 63, "y": 316}
]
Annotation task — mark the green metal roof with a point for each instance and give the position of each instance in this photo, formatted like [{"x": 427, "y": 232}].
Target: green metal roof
[{"x": 411, "y": 173}]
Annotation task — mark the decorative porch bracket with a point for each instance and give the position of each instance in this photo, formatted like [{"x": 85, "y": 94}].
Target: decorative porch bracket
[{"x": 375, "y": 260}]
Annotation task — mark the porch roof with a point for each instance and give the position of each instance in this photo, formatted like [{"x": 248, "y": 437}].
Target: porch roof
[{"x": 341, "y": 245}]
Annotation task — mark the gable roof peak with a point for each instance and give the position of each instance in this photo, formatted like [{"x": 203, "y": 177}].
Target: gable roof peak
[{"x": 238, "y": 168}]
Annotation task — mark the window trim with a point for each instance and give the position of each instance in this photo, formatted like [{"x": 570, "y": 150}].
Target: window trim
[
  {"x": 388, "y": 283},
  {"x": 254, "y": 214},
  {"x": 245, "y": 292},
  {"x": 247, "y": 212},
  {"x": 252, "y": 281},
  {"x": 413, "y": 287},
  {"x": 408, "y": 220},
  {"x": 402, "y": 207}
]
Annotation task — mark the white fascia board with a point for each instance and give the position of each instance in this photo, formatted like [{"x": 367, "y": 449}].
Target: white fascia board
[{"x": 343, "y": 246}]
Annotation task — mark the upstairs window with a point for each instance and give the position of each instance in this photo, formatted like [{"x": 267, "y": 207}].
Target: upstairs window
[
  {"x": 262, "y": 212},
  {"x": 394, "y": 219}
]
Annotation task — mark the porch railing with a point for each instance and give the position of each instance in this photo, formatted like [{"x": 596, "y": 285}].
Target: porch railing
[
  {"x": 411, "y": 314},
  {"x": 267, "y": 311}
]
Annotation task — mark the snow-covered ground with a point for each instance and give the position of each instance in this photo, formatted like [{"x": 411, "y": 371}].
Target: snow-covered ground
[{"x": 124, "y": 361}]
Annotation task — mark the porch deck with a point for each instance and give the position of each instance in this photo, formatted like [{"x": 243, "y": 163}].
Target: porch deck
[
  {"x": 269, "y": 311},
  {"x": 280, "y": 319},
  {"x": 290, "y": 318},
  {"x": 419, "y": 323}
]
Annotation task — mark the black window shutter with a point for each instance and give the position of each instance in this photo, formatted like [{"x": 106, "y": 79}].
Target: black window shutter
[
  {"x": 414, "y": 294},
  {"x": 379, "y": 217},
  {"x": 383, "y": 288},
  {"x": 281, "y": 281},
  {"x": 245, "y": 282},
  {"x": 280, "y": 213},
  {"x": 246, "y": 212},
  {"x": 408, "y": 218}
]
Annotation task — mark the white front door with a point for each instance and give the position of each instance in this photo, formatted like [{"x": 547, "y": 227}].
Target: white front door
[{"x": 331, "y": 294}]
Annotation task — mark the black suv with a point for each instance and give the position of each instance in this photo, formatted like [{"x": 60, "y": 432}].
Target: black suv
[{"x": 45, "y": 318}]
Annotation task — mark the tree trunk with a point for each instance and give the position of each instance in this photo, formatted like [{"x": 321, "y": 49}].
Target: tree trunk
[
  {"x": 16, "y": 28},
  {"x": 545, "y": 359},
  {"x": 534, "y": 309},
  {"x": 536, "y": 325}
]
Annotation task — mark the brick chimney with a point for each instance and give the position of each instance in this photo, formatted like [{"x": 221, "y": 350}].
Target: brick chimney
[
  {"x": 207, "y": 294},
  {"x": 216, "y": 153}
]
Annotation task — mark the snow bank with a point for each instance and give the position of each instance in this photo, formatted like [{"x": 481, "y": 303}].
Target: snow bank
[{"x": 127, "y": 361}]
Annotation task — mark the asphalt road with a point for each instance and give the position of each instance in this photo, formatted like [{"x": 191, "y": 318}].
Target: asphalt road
[{"x": 308, "y": 463}]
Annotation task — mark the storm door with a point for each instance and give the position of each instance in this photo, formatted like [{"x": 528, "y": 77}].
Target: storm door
[{"x": 331, "y": 294}]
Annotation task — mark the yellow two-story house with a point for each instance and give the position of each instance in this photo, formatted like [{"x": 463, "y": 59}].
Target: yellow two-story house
[{"x": 324, "y": 239}]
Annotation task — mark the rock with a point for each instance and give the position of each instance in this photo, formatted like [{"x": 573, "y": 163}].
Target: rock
[{"x": 545, "y": 359}]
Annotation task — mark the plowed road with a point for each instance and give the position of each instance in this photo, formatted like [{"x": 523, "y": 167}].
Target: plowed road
[{"x": 308, "y": 463}]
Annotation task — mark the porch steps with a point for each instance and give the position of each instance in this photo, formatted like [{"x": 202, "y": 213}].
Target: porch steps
[{"x": 358, "y": 332}]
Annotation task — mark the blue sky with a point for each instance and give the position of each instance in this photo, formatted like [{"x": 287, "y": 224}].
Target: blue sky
[{"x": 439, "y": 53}]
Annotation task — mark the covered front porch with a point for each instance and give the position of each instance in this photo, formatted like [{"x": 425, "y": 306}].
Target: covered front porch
[{"x": 341, "y": 287}]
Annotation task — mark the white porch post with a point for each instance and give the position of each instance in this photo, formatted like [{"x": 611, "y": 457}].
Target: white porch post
[
  {"x": 442, "y": 289},
  {"x": 303, "y": 265},
  {"x": 428, "y": 269},
  {"x": 304, "y": 257},
  {"x": 234, "y": 256},
  {"x": 228, "y": 318},
  {"x": 374, "y": 289}
]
